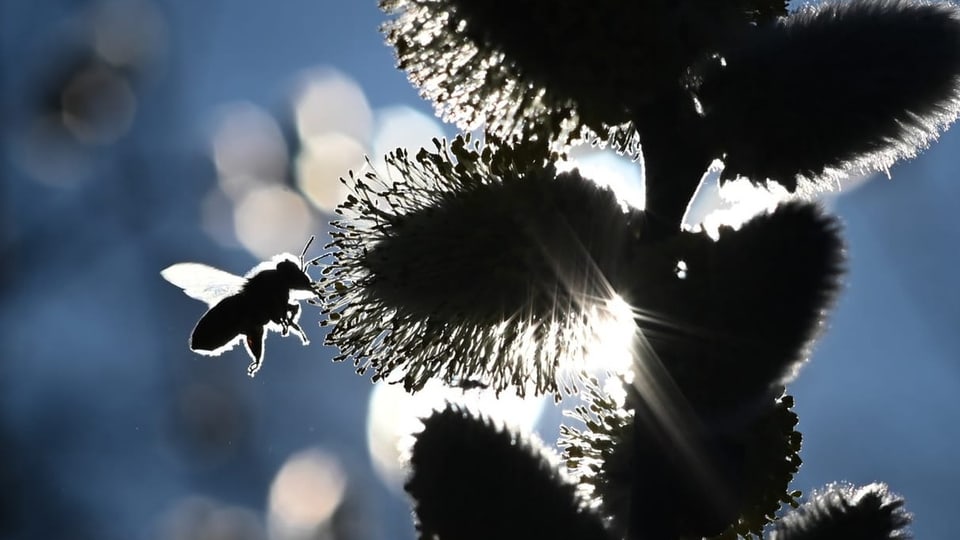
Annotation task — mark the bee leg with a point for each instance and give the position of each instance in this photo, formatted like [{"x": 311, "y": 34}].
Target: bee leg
[
  {"x": 299, "y": 332},
  {"x": 289, "y": 319},
  {"x": 254, "y": 342}
]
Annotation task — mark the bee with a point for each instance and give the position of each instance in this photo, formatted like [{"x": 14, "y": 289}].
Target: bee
[{"x": 241, "y": 308}]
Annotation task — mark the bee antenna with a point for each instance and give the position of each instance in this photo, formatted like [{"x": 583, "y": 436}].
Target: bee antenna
[{"x": 303, "y": 266}]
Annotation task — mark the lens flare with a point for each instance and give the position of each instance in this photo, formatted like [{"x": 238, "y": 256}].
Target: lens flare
[{"x": 305, "y": 493}]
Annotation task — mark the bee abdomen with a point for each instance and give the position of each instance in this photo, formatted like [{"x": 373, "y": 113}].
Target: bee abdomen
[{"x": 220, "y": 325}]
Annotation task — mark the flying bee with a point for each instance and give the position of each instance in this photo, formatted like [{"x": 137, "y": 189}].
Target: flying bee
[{"x": 268, "y": 297}]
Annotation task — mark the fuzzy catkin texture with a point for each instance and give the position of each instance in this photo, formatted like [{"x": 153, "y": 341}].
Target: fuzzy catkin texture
[
  {"x": 518, "y": 64},
  {"x": 473, "y": 480},
  {"x": 832, "y": 88},
  {"x": 736, "y": 319},
  {"x": 663, "y": 480},
  {"x": 647, "y": 476},
  {"x": 474, "y": 264},
  {"x": 646, "y": 473},
  {"x": 526, "y": 246},
  {"x": 845, "y": 512},
  {"x": 600, "y": 453},
  {"x": 708, "y": 479}
]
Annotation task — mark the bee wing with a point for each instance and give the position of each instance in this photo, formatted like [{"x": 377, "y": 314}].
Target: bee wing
[{"x": 202, "y": 282}]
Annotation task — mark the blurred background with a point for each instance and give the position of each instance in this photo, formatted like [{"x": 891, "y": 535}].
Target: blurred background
[{"x": 140, "y": 133}]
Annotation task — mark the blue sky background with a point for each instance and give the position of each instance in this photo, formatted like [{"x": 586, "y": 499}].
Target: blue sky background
[{"x": 108, "y": 422}]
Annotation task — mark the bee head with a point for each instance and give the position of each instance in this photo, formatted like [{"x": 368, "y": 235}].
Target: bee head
[{"x": 294, "y": 276}]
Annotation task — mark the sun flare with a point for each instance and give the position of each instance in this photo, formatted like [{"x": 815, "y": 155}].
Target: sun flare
[{"x": 609, "y": 337}]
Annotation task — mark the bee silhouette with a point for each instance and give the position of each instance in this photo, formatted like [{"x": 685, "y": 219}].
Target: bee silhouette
[{"x": 241, "y": 308}]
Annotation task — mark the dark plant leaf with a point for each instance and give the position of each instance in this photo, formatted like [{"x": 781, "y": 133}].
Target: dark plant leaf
[
  {"x": 730, "y": 319},
  {"x": 530, "y": 68},
  {"x": 712, "y": 476},
  {"x": 842, "y": 86},
  {"x": 473, "y": 480},
  {"x": 845, "y": 512}
]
